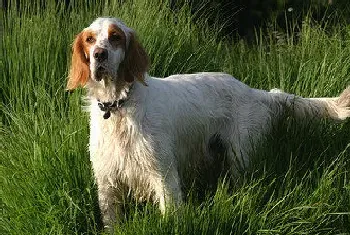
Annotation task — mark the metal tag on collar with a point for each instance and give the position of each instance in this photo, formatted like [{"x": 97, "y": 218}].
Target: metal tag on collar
[
  {"x": 106, "y": 107},
  {"x": 107, "y": 114}
]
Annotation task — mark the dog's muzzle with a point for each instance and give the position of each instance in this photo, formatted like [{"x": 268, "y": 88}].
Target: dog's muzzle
[
  {"x": 100, "y": 73},
  {"x": 101, "y": 57}
]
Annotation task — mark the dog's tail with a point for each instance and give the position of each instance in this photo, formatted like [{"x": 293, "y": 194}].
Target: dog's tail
[{"x": 337, "y": 108}]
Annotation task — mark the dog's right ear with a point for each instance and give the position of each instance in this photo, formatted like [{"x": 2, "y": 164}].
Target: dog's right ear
[
  {"x": 136, "y": 61},
  {"x": 79, "y": 70}
]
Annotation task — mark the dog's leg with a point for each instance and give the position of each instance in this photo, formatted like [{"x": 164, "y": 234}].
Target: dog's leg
[
  {"x": 167, "y": 189},
  {"x": 238, "y": 159},
  {"x": 110, "y": 201},
  {"x": 238, "y": 143}
]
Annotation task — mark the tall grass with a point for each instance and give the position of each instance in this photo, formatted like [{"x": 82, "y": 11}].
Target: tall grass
[{"x": 300, "y": 183}]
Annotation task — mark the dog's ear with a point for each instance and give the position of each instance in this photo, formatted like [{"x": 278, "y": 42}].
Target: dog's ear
[
  {"x": 79, "y": 70},
  {"x": 136, "y": 62}
]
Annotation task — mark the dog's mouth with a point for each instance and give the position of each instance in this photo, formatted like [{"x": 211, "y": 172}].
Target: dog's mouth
[{"x": 100, "y": 73}]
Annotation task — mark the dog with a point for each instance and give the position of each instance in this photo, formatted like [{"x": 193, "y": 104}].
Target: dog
[{"x": 147, "y": 133}]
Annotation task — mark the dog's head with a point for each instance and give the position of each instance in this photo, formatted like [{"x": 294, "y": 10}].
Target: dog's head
[{"x": 107, "y": 50}]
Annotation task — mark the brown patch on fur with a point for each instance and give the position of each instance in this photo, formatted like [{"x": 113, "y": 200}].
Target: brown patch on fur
[
  {"x": 136, "y": 62},
  {"x": 79, "y": 70},
  {"x": 116, "y": 37}
]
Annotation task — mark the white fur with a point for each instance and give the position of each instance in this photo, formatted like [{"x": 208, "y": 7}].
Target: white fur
[{"x": 163, "y": 131}]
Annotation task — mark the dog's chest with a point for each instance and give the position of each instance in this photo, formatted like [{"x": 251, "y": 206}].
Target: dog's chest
[
  {"x": 108, "y": 138},
  {"x": 118, "y": 152}
]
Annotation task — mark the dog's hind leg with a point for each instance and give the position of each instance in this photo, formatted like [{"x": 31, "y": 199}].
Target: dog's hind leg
[{"x": 240, "y": 141}]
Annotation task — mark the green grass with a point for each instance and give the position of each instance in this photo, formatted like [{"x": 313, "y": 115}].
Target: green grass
[{"x": 298, "y": 185}]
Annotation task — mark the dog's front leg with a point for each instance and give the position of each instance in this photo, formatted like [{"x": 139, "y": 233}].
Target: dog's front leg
[
  {"x": 110, "y": 203},
  {"x": 167, "y": 189}
]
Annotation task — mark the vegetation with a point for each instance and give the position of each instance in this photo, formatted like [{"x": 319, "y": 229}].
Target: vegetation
[{"x": 298, "y": 185}]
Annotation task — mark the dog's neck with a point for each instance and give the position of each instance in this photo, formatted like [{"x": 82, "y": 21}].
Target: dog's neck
[
  {"x": 109, "y": 94},
  {"x": 108, "y": 107},
  {"x": 108, "y": 91}
]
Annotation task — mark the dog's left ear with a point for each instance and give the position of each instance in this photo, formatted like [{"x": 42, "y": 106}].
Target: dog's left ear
[{"x": 136, "y": 62}]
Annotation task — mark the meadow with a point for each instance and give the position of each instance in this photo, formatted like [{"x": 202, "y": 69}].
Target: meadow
[{"x": 299, "y": 184}]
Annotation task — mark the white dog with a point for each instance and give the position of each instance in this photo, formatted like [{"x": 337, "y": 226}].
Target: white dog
[{"x": 146, "y": 132}]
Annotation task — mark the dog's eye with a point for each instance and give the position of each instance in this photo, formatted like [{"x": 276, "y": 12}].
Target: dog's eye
[
  {"x": 90, "y": 39},
  {"x": 115, "y": 37}
]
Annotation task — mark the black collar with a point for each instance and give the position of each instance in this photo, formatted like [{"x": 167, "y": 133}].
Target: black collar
[{"x": 107, "y": 107}]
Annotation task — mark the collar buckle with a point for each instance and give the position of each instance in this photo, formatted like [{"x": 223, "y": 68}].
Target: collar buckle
[{"x": 107, "y": 107}]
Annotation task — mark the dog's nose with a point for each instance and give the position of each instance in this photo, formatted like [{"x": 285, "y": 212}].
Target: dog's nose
[{"x": 100, "y": 54}]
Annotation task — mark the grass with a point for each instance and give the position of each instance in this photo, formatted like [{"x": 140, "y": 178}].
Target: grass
[{"x": 298, "y": 185}]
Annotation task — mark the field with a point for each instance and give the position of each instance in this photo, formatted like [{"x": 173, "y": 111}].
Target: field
[{"x": 300, "y": 183}]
